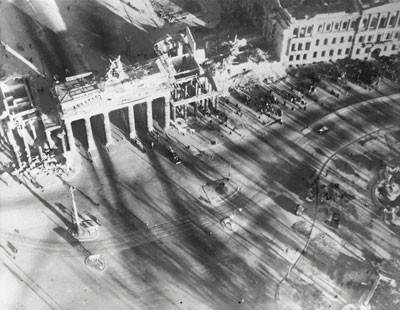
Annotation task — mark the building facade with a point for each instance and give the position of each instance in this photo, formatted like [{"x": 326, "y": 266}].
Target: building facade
[{"x": 317, "y": 30}]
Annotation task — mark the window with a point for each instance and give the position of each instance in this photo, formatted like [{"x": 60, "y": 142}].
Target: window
[
  {"x": 320, "y": 28},
  {"x": 337, "y": 26},
  {"x": 323, "y": 54},
  {"x": 328, "y": 27},
  {"x": 295, "y": 32},
  {"x": 331, "y": 53},
  {"x": 361, "y": 39},
  {"x": 291, "y": 58},
  {"x": 308, "y": 44},
  {"x": 317, "y": 42},
  {"x": 293, "y": 47},
  {"x": 392, "y": 21},
  {"x": 315, "y": 54},
  {"x": 309, "y": 30},
  {"x": 350, "y": 39},
  {"x": 369, "y": 38},
  {"x": 305, "y": 56},
  {"x": 394, "y": 47},
  {"x": 300, "y": 47},
  {"x": 353, "y": 24},
  {"x": 396, "y": 35},
  {"x": 347, "y": 51},
  {"x": 382, "y": 22},
  {"x": 334, "y": 41},
  {"x": 298, "y": 57},
  {"x": 339, "y": 52},
  {"x": 341, "y": 39},
  {"x": 302, "y": 32},
  {"x": 367, "y": 50},
  {"x": 385, "y": 48},
  {"x": 389, "y": 36},
  {"x": 374, "y": 22},
  {"x": 357, "y": 51},
  {"x": 378, "y": 38},
  {"x": 344, "y": 26},
  {"x": 325, "y": 41},
  {"x": 364, "y": 23}
]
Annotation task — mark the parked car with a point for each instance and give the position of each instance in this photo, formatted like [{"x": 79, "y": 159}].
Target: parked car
[
  {"x": 322, "y": 130},
  {"x": 174, "y": 157},
  {"x": 335, "y": 220}
]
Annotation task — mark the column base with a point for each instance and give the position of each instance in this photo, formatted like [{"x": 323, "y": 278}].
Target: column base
[
  {"x": 110, "y": 147},
  {"x": 132, "y": 135},
  {"x": 93, "y": 153},
  {"x": 151, "y": 129}
]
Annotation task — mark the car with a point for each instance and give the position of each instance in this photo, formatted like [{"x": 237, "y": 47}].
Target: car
[
  {"x": 322, "y": 130},
  {"x": 174, "y": 157},
  {"x": 335, "y": 220}
]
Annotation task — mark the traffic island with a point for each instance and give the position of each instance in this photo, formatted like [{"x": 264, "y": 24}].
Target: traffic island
[
  {"x": 97, "y": 262},
  {"x": 220, "y": 190},
  {"x": 386, "y": 194}
]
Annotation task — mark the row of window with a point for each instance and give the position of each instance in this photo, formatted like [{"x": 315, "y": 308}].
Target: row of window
[
  {"x": 374, "y": 22},
  {"x": 379, "y": 37},
  {"x": 361, "y": 39},
  {"x": 308, "y": 44},
  {"x": 378, "y": 21},
  {"x": 339, "y": 53}
]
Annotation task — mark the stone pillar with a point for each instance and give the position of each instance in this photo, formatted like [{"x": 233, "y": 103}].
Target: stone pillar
[
  {"x": 52, "y": 145},
  {"x": 131, "y": 117},
  {"x": 33, "y": 128},
  {"x": 28, "y": 151},
  {"x": 186, "y": 92},
  {"x": 149, "y": 115},
  {"x": 62, "y": 137},
  {"x": 89, "y": 133},
  {"x": 14, "y": 145},
  {"x": 184, "y": 111},
  {"x": 216, "y": 103},
  {"x": 107, "y": 129},
  {"x": 207, "y": 84},
  {"x": 173, "y": 113},
  {"x": 70, "y": 136},
  {"x": 167, "y": 112}
]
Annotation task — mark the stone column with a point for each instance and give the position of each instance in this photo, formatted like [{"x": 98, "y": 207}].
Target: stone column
[
  {"x": 184, "y": 111},
  {"x": 14, "y": 145},
  {"x": 216, "y": 103},
  {"x": 89, "y": 133},
  {"x": 33, "y": 128},
  {"x": 52, "y": 145},
  {"x": 173, "y": 113},
  {"x": 107, "y": 129},
  {"x": 62, "y": 137},
  {"x": 70, "y": 136},
  {"x": 167, "y": 112},
  {"x": 149, "y": 115},
  {"x": 131, "y": 117},
  {"x": 28, "y": 151}
]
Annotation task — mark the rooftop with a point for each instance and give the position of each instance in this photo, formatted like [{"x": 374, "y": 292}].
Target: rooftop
[
  {"x": 300, "y": 9},
  {"x": 73, "y": 89}
]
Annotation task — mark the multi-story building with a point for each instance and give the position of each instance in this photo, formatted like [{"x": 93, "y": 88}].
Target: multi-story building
[{"x": 308, "y": 31}]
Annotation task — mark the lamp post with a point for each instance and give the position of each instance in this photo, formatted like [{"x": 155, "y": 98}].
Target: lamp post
[{"x": 77, "y": 223}]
